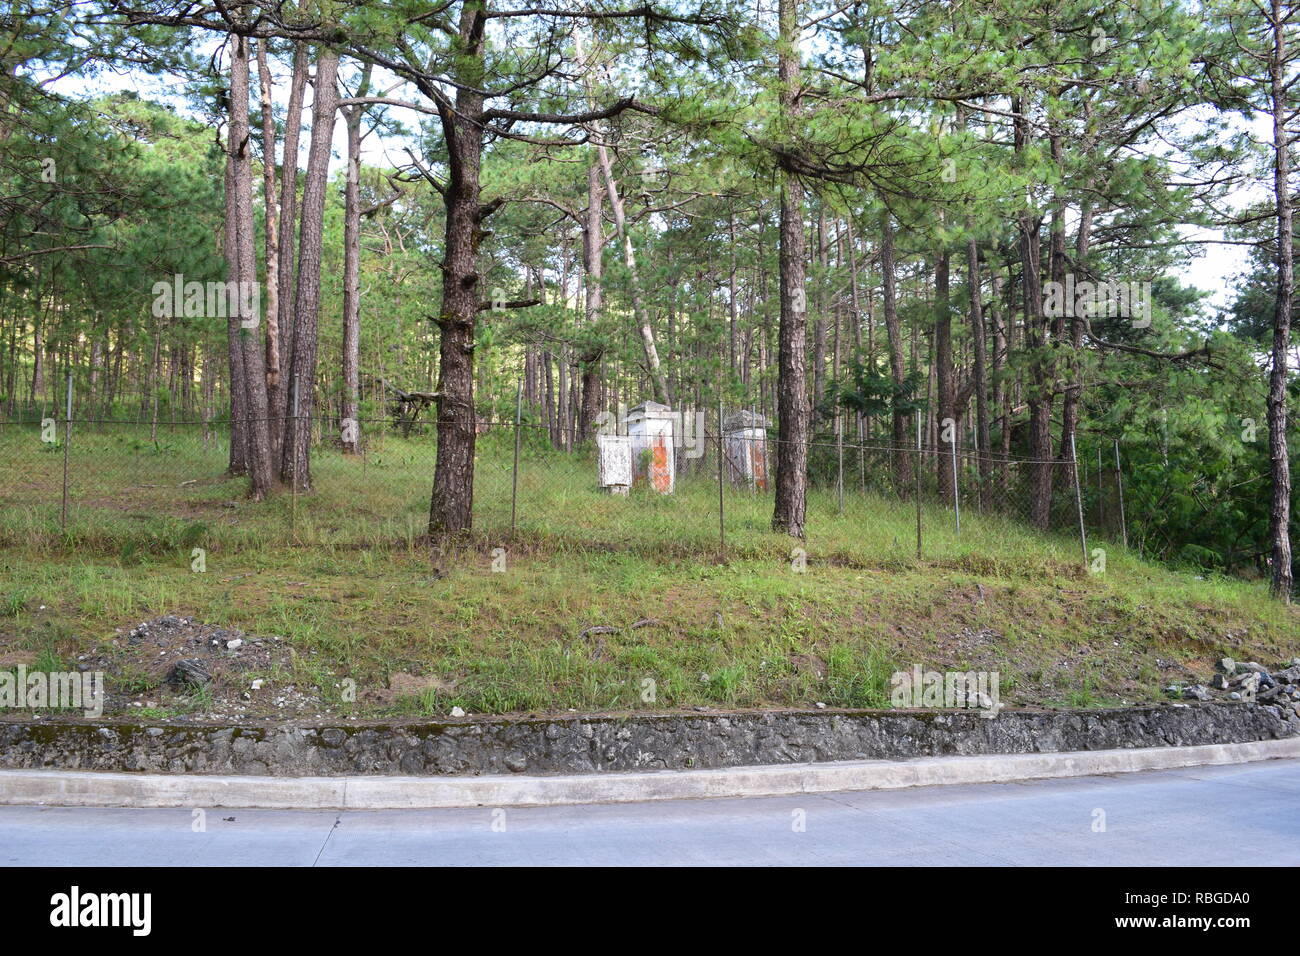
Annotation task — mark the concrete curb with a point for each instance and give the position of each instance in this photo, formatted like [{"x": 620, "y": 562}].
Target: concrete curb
[{"x": 94, "y": 789}]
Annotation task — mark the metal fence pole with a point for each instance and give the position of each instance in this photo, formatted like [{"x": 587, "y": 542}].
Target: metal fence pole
[
  {"x": 514, "y": 478},
  {"x": 956, "y": 497},
  {"x": 722, "y": 522},
  {"x": 67, "y": 442},
  {"x": 839, "y": 444},
  {"x": 1119, "y": 481},
  {"x": 916, "y": 475},
  {"x": 1078, "y": 500},
  {"x": 1101, "y": 492}
]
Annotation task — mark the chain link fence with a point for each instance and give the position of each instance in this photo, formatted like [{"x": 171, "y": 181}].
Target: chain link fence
[{"x": 146, "y": 485}]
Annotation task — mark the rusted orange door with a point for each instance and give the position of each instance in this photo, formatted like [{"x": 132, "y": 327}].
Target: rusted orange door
[{"x": 660, "y": 477}]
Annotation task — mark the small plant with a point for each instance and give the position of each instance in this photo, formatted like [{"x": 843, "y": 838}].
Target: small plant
[
  {"x": 724, "y": 683},
  {"x": 134, "y": 680},
  {"x": 14, "y": 602}
]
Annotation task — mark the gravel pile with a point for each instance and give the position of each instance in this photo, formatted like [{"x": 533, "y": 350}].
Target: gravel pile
[{"x": 1246, "y": 681}]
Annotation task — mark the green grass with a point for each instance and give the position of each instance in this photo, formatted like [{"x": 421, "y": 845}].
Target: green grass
[
  {"x": 130, "y": 497},
  {"x": 346, "y": 583}
]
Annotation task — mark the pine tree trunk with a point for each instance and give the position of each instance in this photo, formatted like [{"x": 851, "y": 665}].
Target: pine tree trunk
[
  {"x": 286, "y": 235},
  {"x": 658, "y": 383},
  {"x": 897, "y": 359},
  {"x": 271, "y": 309},
  {"x": 593, "y": 245},
  {"x": 979, "y": 347},
  {"x": 949, "y": 421},
  {"x": 295, "y": 464},
  {"x": 451, "y": 507},
  {"x": 238, "y": 461},
  {"x": 819, "y": 326},
  {"x": 258, "y": 434},
  {"x": 351, "y": 273},
  {"x": 1040, "y": 393},
  {"x": 791, "y": 490},
  {"x": 1279, "y": 517}
]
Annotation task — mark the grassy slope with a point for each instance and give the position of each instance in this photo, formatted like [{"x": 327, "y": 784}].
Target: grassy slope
[{"x": 356, "y": 599}]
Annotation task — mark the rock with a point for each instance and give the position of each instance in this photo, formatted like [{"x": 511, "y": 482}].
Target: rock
[
  {"x": 1234, "y": 696},
  {"x": 457, "y": 712},
  {"x": 1219, "y": 681},
  {"x": 1290, "y": 675},
  {"x": 516, "y": 764},
  {"x": 1227, "y": 665},
  {"x": 1252, "y": 666},
  {"x": 820, "y": 705},
  {"x": 234, "y": 644},
  {"x": 189, "y": 671},
  {"x": 257, "y": 684},
  {"x": 1196, "y": 692}
]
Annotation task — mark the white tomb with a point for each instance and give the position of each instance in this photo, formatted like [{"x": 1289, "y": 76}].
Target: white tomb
[
  {"x": 615, "y": 466},
  {"x": 650, "y": 428},
  {"x": 744, "y": 435}
]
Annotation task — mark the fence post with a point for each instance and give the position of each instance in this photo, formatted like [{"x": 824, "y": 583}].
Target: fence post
[
  {"x": 722, "y": 522},
  {"x": 839, "y": 444},
  {"x": 1101, "y": 493},
  {"x": 956, "y": 496},
  {"x": 916, "y": 475},
  {"x": 1078, "y": 500},
  {"x": 514, "y": 478},
  {"x": 1119, "y": 481},
  {"x": 67, "y": 441}
]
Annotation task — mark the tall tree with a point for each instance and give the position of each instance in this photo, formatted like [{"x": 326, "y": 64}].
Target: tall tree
[
  {"x": 257, "y": 433},
  {"x": 295, "y": 464},
  {"x": 1280, "y": 64},
  {"x": 286, "y": 234},
  {"x": 352, "y": 116},
  {"x": 793, "y": 409}
]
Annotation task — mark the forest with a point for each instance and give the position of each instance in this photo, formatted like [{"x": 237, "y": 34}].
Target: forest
[{"x": 981, "y": 224}]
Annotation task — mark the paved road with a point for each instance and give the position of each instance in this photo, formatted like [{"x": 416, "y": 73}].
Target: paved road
[{"x": 1201, "y": 816}]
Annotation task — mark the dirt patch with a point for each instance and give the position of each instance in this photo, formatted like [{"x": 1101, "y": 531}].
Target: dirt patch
[
  {"x": 809, "y": 664},
  {"x": 10, "y": 658},
  {"x": 178, "y": 669},
  {"x": 409, "y": 685}
]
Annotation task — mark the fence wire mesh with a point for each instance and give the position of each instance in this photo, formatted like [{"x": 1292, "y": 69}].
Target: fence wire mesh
[{"x": 167, "y": 483}]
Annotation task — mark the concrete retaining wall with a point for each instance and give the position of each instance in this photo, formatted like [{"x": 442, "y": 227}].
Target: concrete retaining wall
[{"x": 631, "y": 743}]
